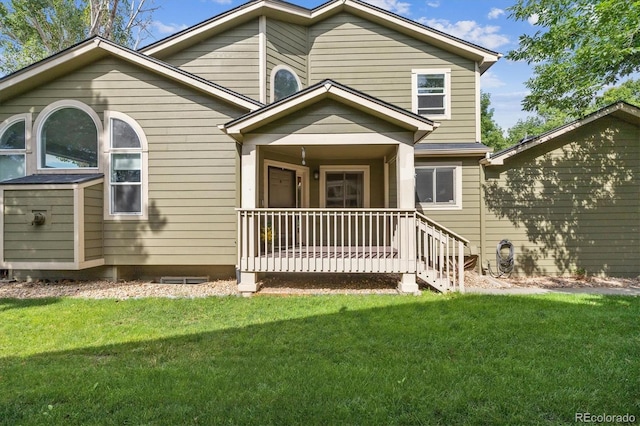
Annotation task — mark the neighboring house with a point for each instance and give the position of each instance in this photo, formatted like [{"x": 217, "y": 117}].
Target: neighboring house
[{"x": 274, "y": 138}]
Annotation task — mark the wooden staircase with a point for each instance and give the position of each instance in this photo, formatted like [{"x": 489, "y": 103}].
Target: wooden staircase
[{"x": 439, "y": 255}]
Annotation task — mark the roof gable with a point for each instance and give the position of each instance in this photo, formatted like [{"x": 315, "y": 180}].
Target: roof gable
[
  {"x": 329, "y": 89},
  {"x": 620, "y": 109},
  {"x": 299, "y": 15},
  {"x": 97, "y": 48}
]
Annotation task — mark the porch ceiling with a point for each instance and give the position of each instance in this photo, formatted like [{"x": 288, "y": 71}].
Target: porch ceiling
[{"x": 335, "y": 152}]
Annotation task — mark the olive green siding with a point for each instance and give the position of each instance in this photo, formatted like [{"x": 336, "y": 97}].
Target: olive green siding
[
  {"x": 331, "y": 117},
  {"x": 378, "y": 61},
  {"x": 286, "y": 45},
  {"x": 229, "y": 59},
  {"x": 192, "y": 164},
  {"x": 93, "y": 222},
  {"x": 51, "y": 242},
  {"x": 465, "y": 221},
  {"x": 571, "y": 204}
]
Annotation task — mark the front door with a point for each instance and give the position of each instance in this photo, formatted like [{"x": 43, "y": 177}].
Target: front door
[{"x": 282, "y": 188}]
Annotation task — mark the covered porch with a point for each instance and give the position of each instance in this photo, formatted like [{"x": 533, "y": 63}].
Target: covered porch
[{"x": 327, "y": 185}]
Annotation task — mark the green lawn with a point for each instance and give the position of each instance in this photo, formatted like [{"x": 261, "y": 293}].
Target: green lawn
[{"x": 327, "y": 360}]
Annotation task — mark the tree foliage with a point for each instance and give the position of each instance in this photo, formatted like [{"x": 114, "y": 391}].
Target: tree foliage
[
  {"x": 491, "y": 133},
  {"x": 581, "y": 46},
  {"x": 31, "y": 30}
]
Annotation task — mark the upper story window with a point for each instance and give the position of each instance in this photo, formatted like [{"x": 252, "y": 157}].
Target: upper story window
[
  {"x": 127, "y": 158},
  {"x": 68, "y": 136},
  {"x": 13, "y": 146},
  {"x": 284, "y": 82},
  {"x": 439, "y": 186},
  {"x": 431, "y": 92}
]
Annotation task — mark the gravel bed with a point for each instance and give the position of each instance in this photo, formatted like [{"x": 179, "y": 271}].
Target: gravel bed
[
  {"x": 114, "y": 290},
  {"x": 282, "y": 284}
]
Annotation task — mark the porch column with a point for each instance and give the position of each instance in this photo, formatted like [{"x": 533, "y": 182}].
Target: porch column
[
  {"x": 406, "y": 200},
  {"x": 247, "y": 281}
]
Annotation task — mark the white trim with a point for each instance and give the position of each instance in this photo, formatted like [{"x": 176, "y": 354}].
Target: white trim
[
  {"x": 276, "y": 139},
  {"x": 386, "y": 182},
  {"x": 248, "y": 176},
  {"x": 53, "y": 266},
  {"x": 344, "y": 168},
  {"x": 42, "y": 118},
  {"x": 262, "y": 57},
  {"x": 447, "y": 91},
  {"x": 301, "y": 171},
  {"x": 478, "y": 104},
  {"x": 2, "y": 189},
  {"x": 144, "y": 173},
  {"x": 28, "y": 124},
  {"x": 457, "y": 176},
  {"x": 272, "y": 79}
]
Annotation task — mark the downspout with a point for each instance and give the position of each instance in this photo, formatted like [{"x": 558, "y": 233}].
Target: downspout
[{"x": 483, "y": 227}]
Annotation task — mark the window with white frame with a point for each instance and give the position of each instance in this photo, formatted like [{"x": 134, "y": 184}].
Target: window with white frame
[
  {"x": 431, "y": 92},
  {"x": 344, "y": 186},
  {"x": 13, "y": 147},
  {"x": 127, "y": 166},
  {"x": 439, "y": 186},
  {"x": 68, "y": 136},
  {"x": 284, "y": 82}
]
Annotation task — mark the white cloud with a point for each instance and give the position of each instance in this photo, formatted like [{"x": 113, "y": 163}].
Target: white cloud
[
  {"x": 487, "y": 36},
  {"x": 495, "y": 13},
  {"x": 533, "y": 19},
  {"x": 433, "y": 3},
  {"x": 163, "y": 28},
  {"x": 489, "y": 80},
  {"x": 394, "y": 6},
  {"x": 222, "y": 1}
]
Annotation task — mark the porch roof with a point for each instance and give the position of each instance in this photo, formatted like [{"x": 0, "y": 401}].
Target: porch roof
[
  {"x": 329, "y": 89},
  {"x": 452, "y": 149}
]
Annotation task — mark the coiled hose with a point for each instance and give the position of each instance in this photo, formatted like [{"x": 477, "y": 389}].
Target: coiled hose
[{"x": 504, "y": 263}]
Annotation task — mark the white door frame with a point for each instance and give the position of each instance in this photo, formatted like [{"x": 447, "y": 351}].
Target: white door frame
[{"x": 301, "y": 171}]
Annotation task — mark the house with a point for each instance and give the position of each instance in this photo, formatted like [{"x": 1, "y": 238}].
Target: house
[{"x": 271, "y": 138}]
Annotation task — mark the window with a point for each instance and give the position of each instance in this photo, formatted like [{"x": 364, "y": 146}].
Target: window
[
  {"x": 127, "y": 166},
  {"x": 431, "y": 93},
  {"x": 344, "y": 186},
  {"x": 284, "y": 82},
  {"x": 439, "y": 186},
  {"x": 13, "y": 147},
  {"x": 68, "y": 135}
]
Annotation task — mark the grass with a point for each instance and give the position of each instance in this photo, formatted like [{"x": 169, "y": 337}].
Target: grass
[{"x": 319, "y": 360}]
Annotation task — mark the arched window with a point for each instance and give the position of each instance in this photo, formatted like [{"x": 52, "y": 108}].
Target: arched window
[
  {"x": 127, "y": 166},
  {"x": 284, "y": 82},
  {"x": 13, "y": 146},
  {"x": 68, "y": 136}
]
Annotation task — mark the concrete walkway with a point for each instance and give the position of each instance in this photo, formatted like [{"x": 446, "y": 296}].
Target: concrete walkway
[{"x": 630, "y": 291}]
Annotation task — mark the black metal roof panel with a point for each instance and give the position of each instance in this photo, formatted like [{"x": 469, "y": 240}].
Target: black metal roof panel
[{"x": 53, "y": 179}]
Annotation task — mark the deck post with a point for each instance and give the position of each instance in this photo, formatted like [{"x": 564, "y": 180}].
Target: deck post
[
  {"x": 248, "y": 283},
  {"x": 408, "y": 284}
]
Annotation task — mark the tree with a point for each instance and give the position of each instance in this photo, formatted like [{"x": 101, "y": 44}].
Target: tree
[
  {"x": 629, "y": 91},
  {"x": 31, "y": 30},
  {"x": 491, "y": 133},
  {"x": 546, "y": 119},
  {"x": 581, "y": 47}
]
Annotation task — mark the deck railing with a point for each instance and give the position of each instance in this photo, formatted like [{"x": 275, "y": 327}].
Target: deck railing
[
  {"x": 440, "y": 254},
  {"x": 349, "y": 240}
]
